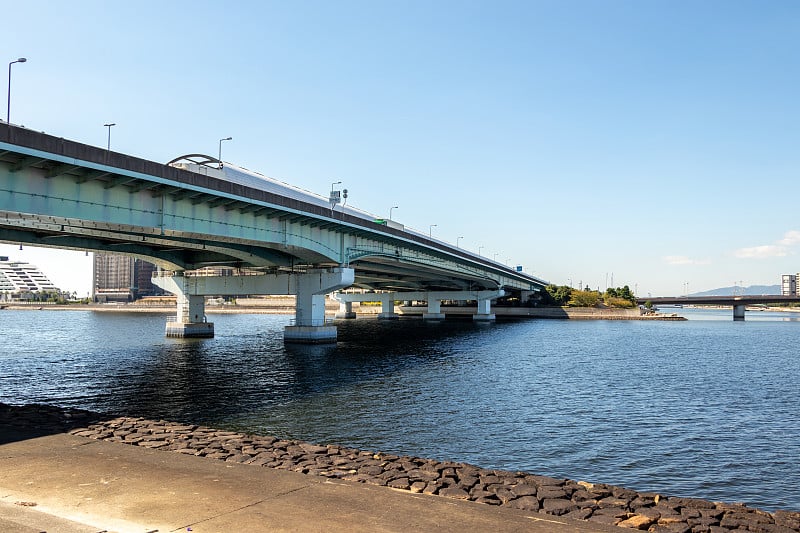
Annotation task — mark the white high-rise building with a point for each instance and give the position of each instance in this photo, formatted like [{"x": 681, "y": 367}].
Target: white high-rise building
[
  {"x": 789, "y": 285},
  {"x": 19, "y": 277}
]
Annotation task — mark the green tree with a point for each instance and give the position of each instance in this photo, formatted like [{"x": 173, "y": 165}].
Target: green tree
[
  {"x": 584, "y": 299},
  {"x": 557, "y": 294}
]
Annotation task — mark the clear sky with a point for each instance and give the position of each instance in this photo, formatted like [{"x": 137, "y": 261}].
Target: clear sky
[{"x": 657, "y": 142}]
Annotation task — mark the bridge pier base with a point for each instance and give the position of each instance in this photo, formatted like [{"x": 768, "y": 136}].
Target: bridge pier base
[
  {"x": 309, "y": 325},
  {"x": 190, "y": 321},
  {"x": 738, "y": 311},
  {"x": 484, "y": 313},
  {"x": 387, "y": 309},
  {"x": 434, "y": 310},
  {"x": 310, "y": 334},
  {"x": 346, "y": 310},
  {"x": 190, "y": 330}
]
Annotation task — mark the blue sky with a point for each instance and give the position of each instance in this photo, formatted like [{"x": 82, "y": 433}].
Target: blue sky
[{"x": 653, "y": 141}]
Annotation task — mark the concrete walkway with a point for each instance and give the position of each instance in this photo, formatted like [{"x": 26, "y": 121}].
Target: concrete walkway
[{"x": 67, "y": 484}]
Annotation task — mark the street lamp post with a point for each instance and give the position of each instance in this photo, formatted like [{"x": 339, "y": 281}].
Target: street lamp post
[
  {"x": 430, "y": 231},
  {"x": 479, "y": 249},
  {"x": 108, "y": 147},
  {"x": 219, "y": 157},
  {"x": 390, "y": 211},
  {"x": 334, "y": 198},
  {"x": 8, "y": 108},
  {"x": 458, "y": 239}
]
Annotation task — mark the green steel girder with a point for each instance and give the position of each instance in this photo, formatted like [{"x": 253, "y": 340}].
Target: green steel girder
[
  {"x": 60, "y": 170},
  {"x": 26, "y": 162},
  {"x": 167, "y": 190},
  {"x": 143, "y": 186},
  {"x": 256, "y": 209},
  {"x": 222, "y": 201},
  {"x": 116, "y": 181},
  {"x": 91, "y": 175},
  {"x": 236, "y": 204},
  {"x": 200, "y": 198}
]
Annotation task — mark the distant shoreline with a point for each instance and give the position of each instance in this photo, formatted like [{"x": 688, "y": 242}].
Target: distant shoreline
[{"x": 285, "y": 306}]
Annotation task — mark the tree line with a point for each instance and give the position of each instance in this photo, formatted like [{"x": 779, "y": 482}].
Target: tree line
[{"x": 566, "y": 296}]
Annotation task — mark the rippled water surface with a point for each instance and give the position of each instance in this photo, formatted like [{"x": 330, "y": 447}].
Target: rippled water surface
[{"x": 706, "y": 408}]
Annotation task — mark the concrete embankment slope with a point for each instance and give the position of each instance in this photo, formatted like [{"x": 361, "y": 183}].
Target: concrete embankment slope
[
  {"x": 63, "y": 483},
  {"x": 166, "y": 479},
  {"x": 105, "y": 486}
]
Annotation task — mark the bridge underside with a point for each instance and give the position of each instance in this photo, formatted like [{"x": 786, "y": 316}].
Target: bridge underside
[{"x": 176, "y": 251}]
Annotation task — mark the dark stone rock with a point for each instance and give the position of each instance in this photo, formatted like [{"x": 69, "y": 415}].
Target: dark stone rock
[
  {"x": 676, "y": 527},
  {"x": 423, "y": 475},
  {"x": 694, "y": 503},
  {"x": 550, "y": 492},
  {"x": 528, "y": 503},
  {"x": 579, "y": 514},
  {"x": 399, "y": 483},
  {"x": 788, "y": 519},
  {"x": 523, "y": 489},
  {"x": 545, "y": 481},
  {"x": 611, "y": 501},
  {"x": 467, "y": 482},
  {"x": 490, "y": 479},
  {"x": 702, "y": 521},
  {"x": 558, "y": 506},
  {"x": 370, "y": 470},
  {"x": 504, "y": 494},
  {"x": 454, "y": 492}
]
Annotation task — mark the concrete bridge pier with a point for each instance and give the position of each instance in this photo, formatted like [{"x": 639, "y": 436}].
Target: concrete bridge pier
[
  {"x": 434, "y": 310},
  {"x": 309, "y": 325},
  {"x": 738, "y": 311},
  {"x": 484, "y": 312},
  {"x": 346, "y": 310},
  {"x": 387, "y": 309},
  {"x": 190, "y": 320}
]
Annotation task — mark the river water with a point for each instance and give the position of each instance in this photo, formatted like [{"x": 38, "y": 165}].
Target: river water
[{"x": 706, "y": 408}]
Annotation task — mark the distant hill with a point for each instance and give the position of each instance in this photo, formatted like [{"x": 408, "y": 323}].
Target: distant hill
[{"x": 753, "y": 290}]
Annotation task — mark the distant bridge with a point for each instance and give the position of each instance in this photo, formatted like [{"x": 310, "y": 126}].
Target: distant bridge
[
  {"x": 195, "y": 213},
  {"x": 739, "y": 303}
]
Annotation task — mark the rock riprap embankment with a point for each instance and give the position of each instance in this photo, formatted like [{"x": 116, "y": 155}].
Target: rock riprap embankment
[{"x": 581, "y": 500}]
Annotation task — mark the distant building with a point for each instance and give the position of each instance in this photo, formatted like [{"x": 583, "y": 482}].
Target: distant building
[
  {"x": 120, "y": 278},
  {"x": 19, "y": 278},
  {"x": 789, "y": 284}
]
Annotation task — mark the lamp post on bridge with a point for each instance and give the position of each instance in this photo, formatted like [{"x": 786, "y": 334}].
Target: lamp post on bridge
[
  {"x": 430, "y": 230},
  {"x": 108, "y": 146},
  {"x": 219, "y": 157},
  {"x": 8, "y": 108},
  {"x": 390, "y": 211},
  {"x": 458, "y": 239},
  {"x": 479, "y": 249},
  {"x": 336, "y": 196}
]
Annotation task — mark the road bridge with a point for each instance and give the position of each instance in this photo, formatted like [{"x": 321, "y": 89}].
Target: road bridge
[
  {"x": 196, "y": 212},
  {"x": 738, "y": 303}
]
